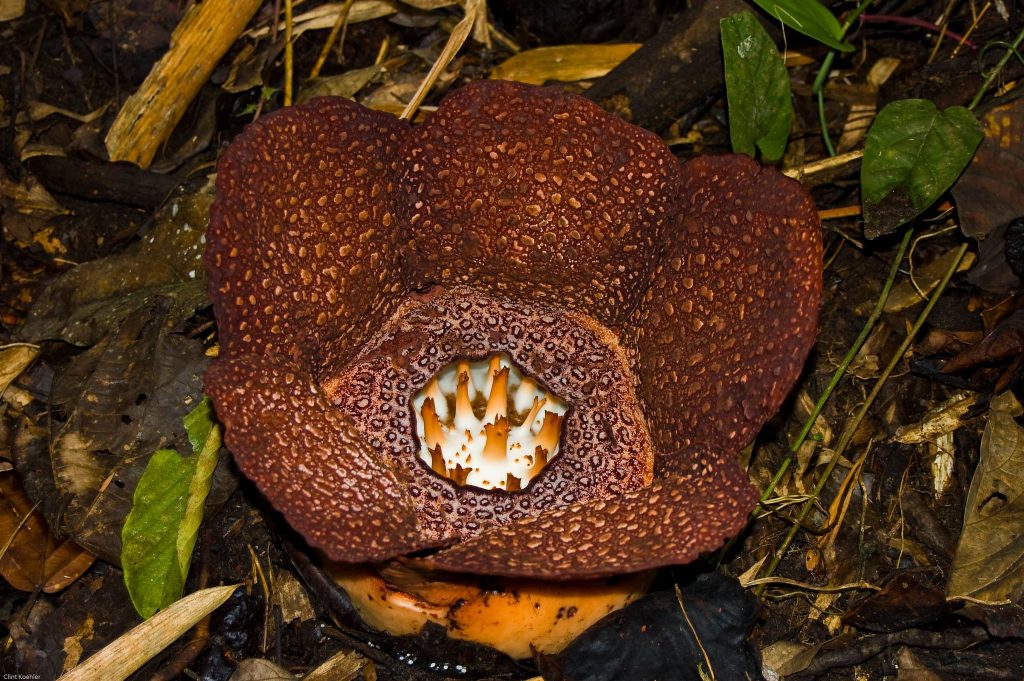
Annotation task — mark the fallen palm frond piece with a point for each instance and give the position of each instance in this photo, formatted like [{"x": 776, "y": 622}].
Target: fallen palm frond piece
[{"x": 122, "y": 657}]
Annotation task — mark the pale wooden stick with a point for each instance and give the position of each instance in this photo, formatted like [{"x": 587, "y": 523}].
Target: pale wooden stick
[
  {"x": 202, "y": 37},
  {"x": 824, "y": 164},
  {"x": 455, "y": 41}
]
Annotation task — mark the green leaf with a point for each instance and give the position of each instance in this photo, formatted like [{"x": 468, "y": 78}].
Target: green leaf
[
  {"x": 160, "y": 531},
  {"x": 809, "y": 17},
  {"x": 757, "y": 88},
  {"x": 913, "y": 154}
]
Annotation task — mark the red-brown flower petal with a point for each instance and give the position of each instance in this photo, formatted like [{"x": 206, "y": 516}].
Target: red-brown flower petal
[
  {"x": 669, "y": 523},
  {"x": 309, "y": 460},
  {"x": 302, "y": 240},
  {"x": 725, "y": 328},
  {"x": 535, "y": 193},
  {"x": 605, "y": 447}
]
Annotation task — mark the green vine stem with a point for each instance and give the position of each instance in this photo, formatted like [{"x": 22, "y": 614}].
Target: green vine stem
[
  {"x": 855, "y": 422},
  {"x": 1011, "y": 50},
  {"x": 826, "y": 67},
  {"x": 840, "y": 371}
]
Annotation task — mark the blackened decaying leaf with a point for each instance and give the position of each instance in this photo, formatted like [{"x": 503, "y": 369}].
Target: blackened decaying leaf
[
  {"x": 112, "y": 407},
  {"x": 591, "y": 21},
  {"x": 665, "y": 637},
  {"x": 902, "y": 603},
  {"x": 1015, "y": 246},
  {"x": 87, "y": 303}
]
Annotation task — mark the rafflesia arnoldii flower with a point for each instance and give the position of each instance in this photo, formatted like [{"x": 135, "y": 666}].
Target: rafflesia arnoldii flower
[{"x": 519, "y": 340}]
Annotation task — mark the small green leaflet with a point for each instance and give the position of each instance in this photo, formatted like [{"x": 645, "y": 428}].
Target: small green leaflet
[
  {"x": 809, "y": 17},
  {"x": 160, "y": 531},
  {"x": 913, "y": 154},
  {"x": 757, "y": 88}
]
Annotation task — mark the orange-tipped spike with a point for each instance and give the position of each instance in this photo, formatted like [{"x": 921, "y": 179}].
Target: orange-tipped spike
[
  {"x": 437, "y": 461},
  {"x": 462, "y": 369},
  {"x": 497, "y": 402},
  {"x": 527, "y": 388},
  {"x": 540, "y": 459},
  {"x": 549, "y": 431},
  {"x": 433, "y": 432},
  {"x": 493, "y": 365},
  {"x": 546, "y": 441},
  {"x": 464, "y": 416},
  {"x": 433, "y": 391},
  {"x": 538, "y": 404},
  {"x": 496, "y": 446},
  {"x": 459, "y": 475}
]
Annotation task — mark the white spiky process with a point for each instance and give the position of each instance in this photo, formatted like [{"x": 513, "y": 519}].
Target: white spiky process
[{"x": 487, "y": 425}]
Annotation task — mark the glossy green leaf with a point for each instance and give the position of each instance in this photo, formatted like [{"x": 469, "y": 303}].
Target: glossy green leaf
[
  {"x": 913, "y": 154},
  {"x": 809, "y": 17},
  {"x": 757, "y": 88},
  {"x": 160, "y": 531}
]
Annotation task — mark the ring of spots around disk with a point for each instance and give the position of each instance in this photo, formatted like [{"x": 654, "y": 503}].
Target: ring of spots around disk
[{"x": 605, "y": 446}]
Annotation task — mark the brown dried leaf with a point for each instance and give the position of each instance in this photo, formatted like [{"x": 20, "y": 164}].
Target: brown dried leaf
[
  {"x": 989, "y": 561},
  {"x": 988, "y": 194},
  {"x": 34, "y": 559}
]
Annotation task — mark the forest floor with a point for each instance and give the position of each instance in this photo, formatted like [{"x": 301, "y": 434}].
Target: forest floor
[{"x": 889, "y": 543}]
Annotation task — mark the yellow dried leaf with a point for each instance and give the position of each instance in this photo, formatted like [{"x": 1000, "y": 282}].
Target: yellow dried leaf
[{"x": 565, "y": 63}]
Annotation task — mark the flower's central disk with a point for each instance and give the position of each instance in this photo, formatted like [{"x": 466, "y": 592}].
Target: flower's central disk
[{"x": 487, "y": 425}]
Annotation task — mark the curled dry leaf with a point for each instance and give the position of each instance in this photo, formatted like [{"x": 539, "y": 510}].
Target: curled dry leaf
[
  {"x": 33, "y": 559},
  {"x": 788, "y": 657},
  {"x": 988, "y": 562},
  {"x": 13, "y": 360}
]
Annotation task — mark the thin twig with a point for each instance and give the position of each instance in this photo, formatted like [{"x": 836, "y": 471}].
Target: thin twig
[
  {"x": 288, "y": 52},
  {"x": 693, "y": 630},
  {"x": 455, "y": 42},
  {"x": 827, "y": 588},
  {"x": 340, "y": 24},
  {"x": 824, "y": 164},
  {"x": 1010, "y": 52},
  {"x": 970, "y": 30}
]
